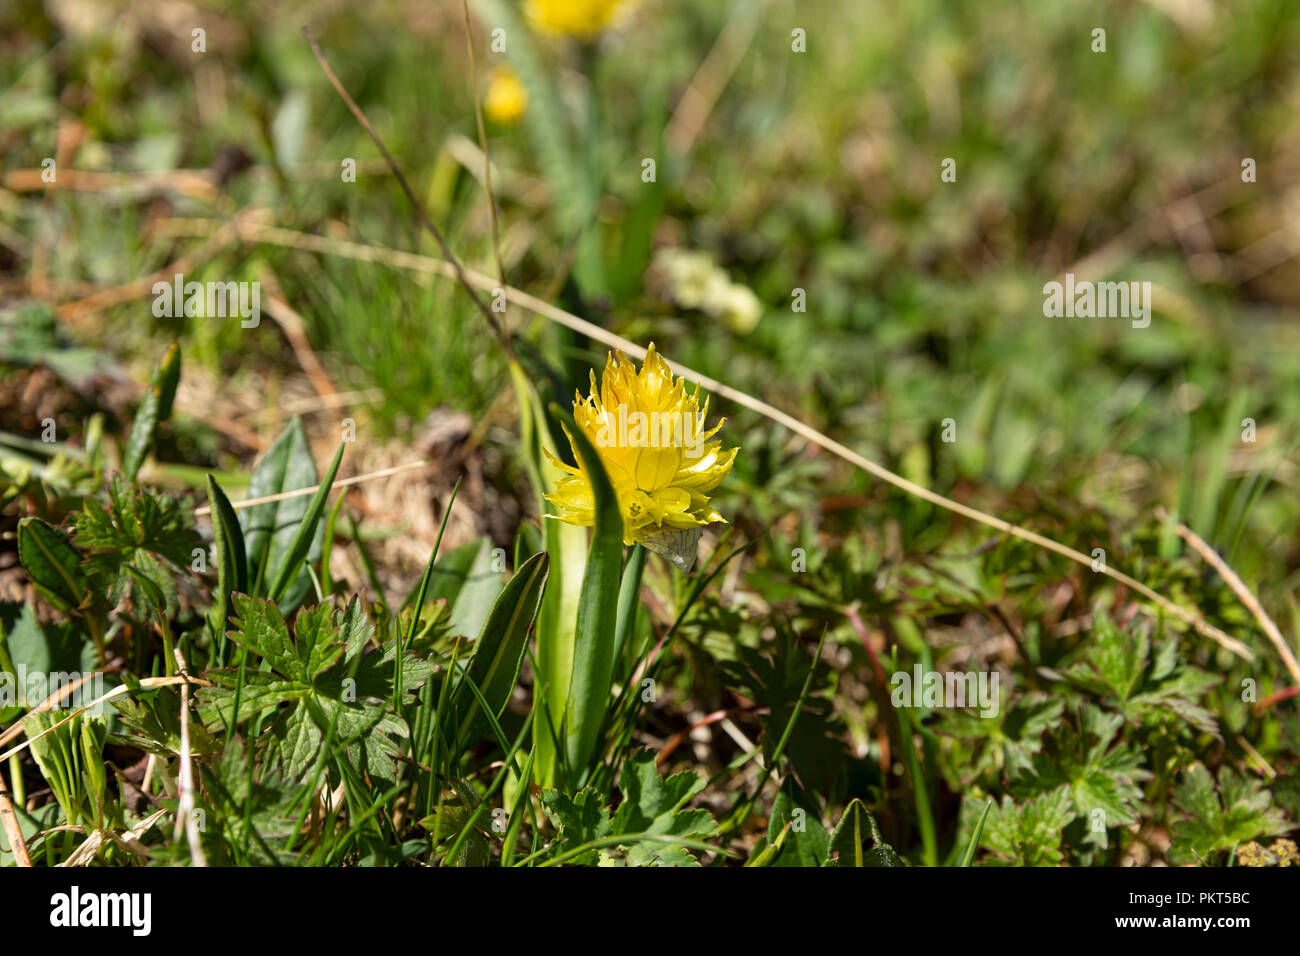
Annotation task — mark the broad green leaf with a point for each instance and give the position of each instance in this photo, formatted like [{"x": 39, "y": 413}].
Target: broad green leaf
[
  {"x": 593, "y": 651},
  {"x": 477, "y": 592},
  {"x": 580, "y": 819},
  {"x": 566, "y": 545},
  {"x": 232, "y": 562},
  {"x": 308, "y": 535},
  {"x": 316, "y": 639},
  {"x": 499, "y": 650},
  {"x": 650, "y": 827},
  {"x": 270, "y": 529},
  {"x": 806, "y": 843},
  {"x": 1217, "y": 822},
  {"x": 299, "y": 739},
  {"x": 53, "y": 563},
  {"x": 652, "y": 805},
  {"x": 1029, "y": 834}
]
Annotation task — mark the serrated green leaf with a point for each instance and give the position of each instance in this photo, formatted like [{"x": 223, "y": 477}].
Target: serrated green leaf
[
  {"x": 260, "y": 627},
  {"x": 137, "y": 528}
]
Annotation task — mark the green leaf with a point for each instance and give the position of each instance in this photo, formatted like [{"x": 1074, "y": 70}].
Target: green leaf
[
  {"x": 308, "y": 535},
  {"x": 298, "y": 738},
  {"x": 53, "y": 563},
  {"x": 31, "y": 334},
  {"x": 152, "y": 591},
  {"x": 153, "y": 724},
  {"x": 849, "y": 836},
  {"x": 566, "y": 546},
  {"x": 593, "y": 652},
  {"x": 232, "y": 562},
  {"x": 651, "y": 805},
  {"x": 270, "y": 529},
  {"x": 1009, "y": 740},
  {"x": 581, "y": 819},
  {"x": 316, "y": 667},
  {"x": 260, "y": 691},
  {"x": 1215, "y": 823},
  {"x": 1119, "y": 667},
  {"x": 148, "y": 531},
  {"x": 256, "y": 812},
  {"x": 1029, "y": 834},
  {"x": 499, "y": 651},
  {"x": 1101, "y": 773},
  {"x": 650, "y": 827},
  {"x": 316, "y": 640},
  {"x": 629, "y": 601},
  {"x": 260, "y": 627},
  {"x": 156, "y": 407},
  {"x": 806, "y": 843},
  {"x": 968, "y": 855},
  {"x": 58, "y": 651},
  {"x": 477, "y": 590}
]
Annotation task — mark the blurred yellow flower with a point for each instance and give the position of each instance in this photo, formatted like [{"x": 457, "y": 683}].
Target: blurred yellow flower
[
  {"x": 584, "y": 19},
  {"x": 506, "y": 98},
  {"x": 650, "y": 435}
]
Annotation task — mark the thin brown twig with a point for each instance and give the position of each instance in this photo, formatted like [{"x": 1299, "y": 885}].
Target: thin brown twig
[
  {"x": 185, "y": 804},
  {"x": 301, "y": 492},
  {"x": 295, "y": 330},
  {"x": 13, "y": 830},
  {"x": 706, "y": 86},
  {"x": 147, "y": 683},
  {"x": 1244, "y": 594},
  {"x": 53, "y": 700}
]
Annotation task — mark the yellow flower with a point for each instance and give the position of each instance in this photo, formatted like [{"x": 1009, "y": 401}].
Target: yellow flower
[
  {"x": 507, "y": 97},
  {"x": 650, "y": 435},
  {"x": 584, "y": 19}
]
